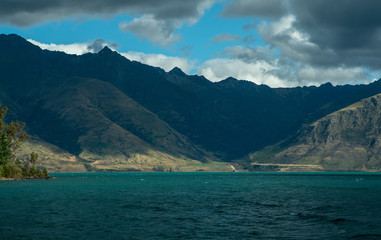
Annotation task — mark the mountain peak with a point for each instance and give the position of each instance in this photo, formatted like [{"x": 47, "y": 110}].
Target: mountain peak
[
  {"x": 14, "y": 42},
  {"x": 106, "y": 50},
  {"x": 230, "y": 79},
  {"x": 177, "y": 71},
  {"x": 326, "y": 85}
]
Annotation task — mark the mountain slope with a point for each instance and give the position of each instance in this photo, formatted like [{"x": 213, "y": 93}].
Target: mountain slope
[
  {"x": 346, "y": 140},
  {"x": 88, "y": 118},
  {"x": 113, "y": 113},
  {"x": 230, "y": 118},
  {"x": 95, "y": 121}
]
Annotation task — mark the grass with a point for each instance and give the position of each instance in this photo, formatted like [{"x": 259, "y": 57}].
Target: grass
[{"x": 205, "y": 167}]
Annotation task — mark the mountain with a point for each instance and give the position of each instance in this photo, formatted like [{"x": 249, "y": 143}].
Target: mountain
[
  {"x": 111, "y": 113},
  {"x": 346, "y": 140},
  {"x": 90, "y": 119}
]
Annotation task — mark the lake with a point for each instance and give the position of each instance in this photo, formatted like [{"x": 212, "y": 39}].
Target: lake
[{"x": 193, "y": 206}]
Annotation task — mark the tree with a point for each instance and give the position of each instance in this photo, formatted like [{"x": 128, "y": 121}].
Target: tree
[
  {"x": 3, "y": 112},
  {"x": 12, "y": 135},
  {"x": 5, "y": 153},
  {"x": 33, "y": 158},
  {"x": 45, "y": 173},
  {"x": 4, "y": 145},
  {"x": 16, "y": 136}
]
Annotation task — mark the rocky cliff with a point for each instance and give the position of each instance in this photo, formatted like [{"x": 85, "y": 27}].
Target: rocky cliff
[{"x": 345, "y": 140}]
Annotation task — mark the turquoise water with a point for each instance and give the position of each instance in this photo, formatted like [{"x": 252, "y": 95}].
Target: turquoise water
[{"x": 193, "y": 206}]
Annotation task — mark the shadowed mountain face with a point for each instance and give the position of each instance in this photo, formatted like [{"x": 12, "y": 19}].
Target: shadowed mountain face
[
  {"x": 348, "y": 139},
  {"x": 98, "y": 105}
]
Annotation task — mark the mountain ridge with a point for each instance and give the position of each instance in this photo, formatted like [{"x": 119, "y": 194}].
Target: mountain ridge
[
  {"x": 204, "y": 121},
  {"x": 346, "y": 140}
]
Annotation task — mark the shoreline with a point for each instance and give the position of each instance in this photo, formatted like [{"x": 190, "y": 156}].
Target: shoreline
[{"x": 26, "y": 178}]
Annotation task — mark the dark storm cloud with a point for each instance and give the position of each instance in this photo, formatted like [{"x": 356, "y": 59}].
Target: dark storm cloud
[
  {"x": 350, "y": 28},
  {"x": 340, "y": 32},
  {"x": 27, "y": 12},
  {"x": 99, "y": 44},
  {"x": 259, "y": 8},
  {"x": 340, "y": 24}
]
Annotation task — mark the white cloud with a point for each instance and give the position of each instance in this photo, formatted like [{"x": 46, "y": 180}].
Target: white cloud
[
  {"x": 201, "y": 7},
  {"x": 159, "y": 32},
  {"x": 334, "y": 75},
  {"x": 275, "y": 74},
  {"x": 258, "y": 72},
  {"x": 160, "y": 60},
  {"x": 243, "y": 63},
  {"x": 157, "y": 60},
  {"x": 74, "y": 48}
]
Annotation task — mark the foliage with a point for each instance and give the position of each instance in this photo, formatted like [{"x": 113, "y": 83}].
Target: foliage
[
  {"x": 5, "y": 153},
  {"x": 12, "y": 136},
  {"x": 33, "y": 158}
]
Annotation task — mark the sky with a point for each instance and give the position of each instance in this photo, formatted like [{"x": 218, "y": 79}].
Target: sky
[{"x": 280, "y": 43}]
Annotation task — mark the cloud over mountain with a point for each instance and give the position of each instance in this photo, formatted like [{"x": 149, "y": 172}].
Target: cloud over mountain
[
  {"x": 321, "y": 33},
  {"x": 313, "y": 41},
  {"x": 159, "y": 32},
  {"x": 290, "y": 42}
]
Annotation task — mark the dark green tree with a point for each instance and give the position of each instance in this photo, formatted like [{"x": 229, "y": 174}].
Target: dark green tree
[
  {"x": 5, "y": 153},
  {"x": 33, "y": 158},
  {"x": 3, "y": 112},
  {"x": 12, "y": 135},
  {"x": 45, "y": 173},
  {"x": 16, "y": 136}
]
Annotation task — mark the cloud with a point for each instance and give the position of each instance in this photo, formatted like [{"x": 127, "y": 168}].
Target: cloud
[
  {"x": 159, "y": 18},
  {"x": 258, "y": 65},
  {"x": 257, "y": 8},
  {"x": 248, "y": 54},
  {"x": 156, "y": 60},
  {"x": 308, "y": 42},
  {"x": 75, "y": 48},
  {"x": 258, "y": 72},
  {"x": 321, "y": 33},
  {"x": 279, "y": 74},
  {"x": 335, "y": 75},
  {"x": 293, "y": 43},
  {"x": 159, "y": 32},
  {"x": 160, "y": 28},
  {"x": 350, "y": 29},
  {"x": 262, "y": 65},
  {"x": 225, "y": 37},
  {"x": 99, "y": 44},
  {"x": 26, "y": 12},
  {"x": 160, "y": 60}
]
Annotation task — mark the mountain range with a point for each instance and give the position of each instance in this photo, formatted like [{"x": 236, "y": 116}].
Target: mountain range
[{"x": 103, "y": 112}]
